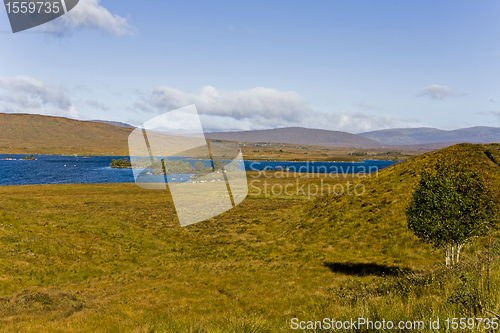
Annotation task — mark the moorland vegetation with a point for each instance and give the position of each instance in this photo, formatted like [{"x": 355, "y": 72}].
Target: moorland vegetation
[{"x": 113, "y": 258}]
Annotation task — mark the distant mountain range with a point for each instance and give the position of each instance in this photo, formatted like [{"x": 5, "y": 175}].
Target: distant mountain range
[
  {"x": 114, "y": 123},
  {"x": 28, "y": 132},
  {"x": 299, "y": 136},
  {"x": 423, "y": 135},
  {"x": 409, "y": 138}
]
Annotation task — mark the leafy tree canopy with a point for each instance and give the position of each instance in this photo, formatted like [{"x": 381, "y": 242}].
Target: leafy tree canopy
[{"x": 451, "y": 207}]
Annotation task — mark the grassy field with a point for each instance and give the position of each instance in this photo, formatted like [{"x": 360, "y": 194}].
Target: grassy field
[{"x": 113, "y": 258}]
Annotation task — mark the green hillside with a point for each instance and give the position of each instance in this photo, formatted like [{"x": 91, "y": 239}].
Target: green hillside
[
  {"x": 379, "y": 213},
  {"x": 112, "y": 258}
]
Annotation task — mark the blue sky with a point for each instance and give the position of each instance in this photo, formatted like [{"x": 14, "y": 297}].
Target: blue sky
[{"x": 340, "y": 65}]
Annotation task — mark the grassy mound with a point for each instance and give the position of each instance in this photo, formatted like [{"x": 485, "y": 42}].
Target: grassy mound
[{"x": 375, "y": 223}]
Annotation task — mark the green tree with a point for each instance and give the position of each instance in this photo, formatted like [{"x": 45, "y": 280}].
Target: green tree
[
  {"x": 200, "y": 167},
  {"x": 120, "y": 163},
  {"x": 218, "y": 165},
  {"x": 449, "y": 208}
]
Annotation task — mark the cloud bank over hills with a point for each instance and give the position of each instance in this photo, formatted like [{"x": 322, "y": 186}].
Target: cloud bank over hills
[
  {"x": 24, "y": 94},
  {"x": 220, "y": 110},
  {"x": 260, "y": 108}
]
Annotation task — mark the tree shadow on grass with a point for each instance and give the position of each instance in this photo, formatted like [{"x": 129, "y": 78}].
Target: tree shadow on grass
[{"x": 364, "y": 269}]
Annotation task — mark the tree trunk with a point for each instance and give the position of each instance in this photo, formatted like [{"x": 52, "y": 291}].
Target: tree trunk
[
  {"x": 452, "y": 254},
  {"x": 459, "y": 247},
  {"x": 447, "y": 254}
]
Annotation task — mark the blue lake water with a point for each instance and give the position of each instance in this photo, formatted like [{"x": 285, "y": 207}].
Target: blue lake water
[{"x": 56, "y": 169}]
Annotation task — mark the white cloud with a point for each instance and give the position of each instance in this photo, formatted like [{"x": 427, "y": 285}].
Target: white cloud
[
  {"x": 24, "y": 94},
  {"x": 255, "y": 102},
  {"x": 437, "y": 92},
  {"x": 91, "y": 15},
  {"x": 97, "y": 105},
  {"x": 259, "y": 108}
]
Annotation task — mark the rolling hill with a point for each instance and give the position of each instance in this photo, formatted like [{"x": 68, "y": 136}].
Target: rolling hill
[
  {"x": 380, "y": 211},
  {"x": 299, "y": 135},
  {"x": 28, "y": 133},
  {"x": 403, "y": 138},
  {"x": 25, "y": 133}
]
